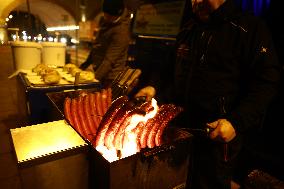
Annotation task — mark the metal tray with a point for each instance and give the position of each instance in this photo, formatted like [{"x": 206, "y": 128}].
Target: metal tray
[{"x": 45, "y": 142}]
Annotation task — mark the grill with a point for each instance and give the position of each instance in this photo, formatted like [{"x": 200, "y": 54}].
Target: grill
[{"x": 164, "y": 166}]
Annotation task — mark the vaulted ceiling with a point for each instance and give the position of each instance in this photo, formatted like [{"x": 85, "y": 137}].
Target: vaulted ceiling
[{"x": 59, "y": 12}]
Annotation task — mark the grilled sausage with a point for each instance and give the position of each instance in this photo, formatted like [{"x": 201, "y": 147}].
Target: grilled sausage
[
  {"x": 118, "y": 137},
  {"x": 109, "y": 97},
  {"x": 143, "y": 135},
  {"x": 75, "y": 116},
  {"x": 98, "y": 103},
  {"x": 83, "y": 120},
  {"x": 145, "y": 131},
  {"x": 107, "y": 119},
  {"x": 173, "y": 113},
  {"x": 67, "y": 110},
  {"x": 104, "y": 96},
  {"x": 148, "y": 127},
  {"x": 118, "y": 119},
  {"x": 158, "y": 121},
  {"x": 88, "y": 115},
  {"x": 93, "y": 109},
  {"x": 138, "y": 131}
]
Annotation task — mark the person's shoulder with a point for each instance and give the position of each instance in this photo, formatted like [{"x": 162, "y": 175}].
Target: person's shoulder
[
  {"x": 249, "y": 17},
  {"x": 249, "y": 21}
]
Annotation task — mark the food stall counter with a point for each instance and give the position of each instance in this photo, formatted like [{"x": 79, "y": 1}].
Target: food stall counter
[{"x": 32, "y": 101}]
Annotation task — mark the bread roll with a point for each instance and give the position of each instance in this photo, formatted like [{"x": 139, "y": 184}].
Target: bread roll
[
  {"x": 39, "y": 68},
  {"x": 74, "y": 71},
  {"x": 68, "y": 67},
  {"x": 86, "y": 76},
  {"x": 51, "y": 77}
]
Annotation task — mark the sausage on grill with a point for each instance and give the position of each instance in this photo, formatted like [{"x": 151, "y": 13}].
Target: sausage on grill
[
  {"x": 145, "y": 132},
  {"x": 141, "y": 110},
  {"x": 138, "y": 131},
  {"x": 104, "y": 96},
  {"x": 118, "y": 137},
  {"x": 117, "y": 120},
  {"x": 75, "y": 116},
  {"x": 98, "y": 104},
  {"x": 93, "y": 110},
  {"x": 67, "y": 110},
  {"x": 109, "y": 97},
  {"x": 173, "y": 113},
  {"x": 162, "y": 113},
  {"x": 107, "y": 118},
  {"x": 82, "y": 118},
  {"x": 88, "y": 115}
]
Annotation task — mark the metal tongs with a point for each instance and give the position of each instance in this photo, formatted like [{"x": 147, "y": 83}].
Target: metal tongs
[
  {"x": 205, "y": 132},
  {"x": 125, "y": 81}
]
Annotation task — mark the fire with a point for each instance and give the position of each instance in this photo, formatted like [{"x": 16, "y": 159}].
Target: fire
[
  {"x": 129, "y": 139},
  {"x": 108, "y": 154},
  {"x": 129, "y": 146}
]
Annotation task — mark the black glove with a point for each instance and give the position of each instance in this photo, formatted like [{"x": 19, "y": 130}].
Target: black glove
[
  {"x": 84, "y": 66},
  {"x": 88, "y": 61}
]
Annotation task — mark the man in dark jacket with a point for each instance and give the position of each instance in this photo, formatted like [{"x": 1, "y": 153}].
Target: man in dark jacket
[
  {"x": 109, "y": 52},
  {"x": 226, "y": 75}
]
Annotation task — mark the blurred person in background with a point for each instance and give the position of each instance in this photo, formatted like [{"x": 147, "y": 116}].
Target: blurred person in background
[
  {"x": 226, "y": 75},
  {"x": 109, "y": 52}
]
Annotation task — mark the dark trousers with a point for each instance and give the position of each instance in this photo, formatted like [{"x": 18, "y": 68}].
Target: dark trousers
[{"x": 213, "y": 163}]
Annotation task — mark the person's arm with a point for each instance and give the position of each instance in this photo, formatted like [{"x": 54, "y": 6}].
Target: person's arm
[
  {"x": 262, "y": 84},
  {"x": 88, "y": 61},
  {"x": 115, "y": 55}
]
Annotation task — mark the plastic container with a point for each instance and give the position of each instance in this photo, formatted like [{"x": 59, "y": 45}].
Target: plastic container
[
  {"x": 26, "y": 55},
  {"x": 53, "y": 53}
]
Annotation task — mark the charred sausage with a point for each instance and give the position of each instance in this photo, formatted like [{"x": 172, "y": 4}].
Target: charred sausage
[
  {"x": 118, "y": 137},
  {"x": 138, "y": 131},
  {"x": 146, "y": 107},
  {"x": 107, "y": 119},
  {"x": 117, "y": 120},
  {"x": 145, "y": 131},
  {"x": 173, "y": 113},
  {"x": 158, "y": 121}
]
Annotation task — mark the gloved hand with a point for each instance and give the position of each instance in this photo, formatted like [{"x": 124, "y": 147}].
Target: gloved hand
[
  {"x": 148, "y": 91},
  {"x": 83, "y": 66}
]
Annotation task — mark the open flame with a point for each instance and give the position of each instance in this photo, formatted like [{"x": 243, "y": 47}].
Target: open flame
[{"x": 130, "y": 137}]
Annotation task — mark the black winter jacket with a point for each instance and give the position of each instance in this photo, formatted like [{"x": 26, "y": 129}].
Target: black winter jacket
[
  {"x": 225, "y": 68},
  {"x": 109, "y": 52}
]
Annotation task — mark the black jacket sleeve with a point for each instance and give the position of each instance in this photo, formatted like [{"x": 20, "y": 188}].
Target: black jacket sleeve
[
  {"x": 88, "y": 61},
  {"x": 263, "y": 76}
]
